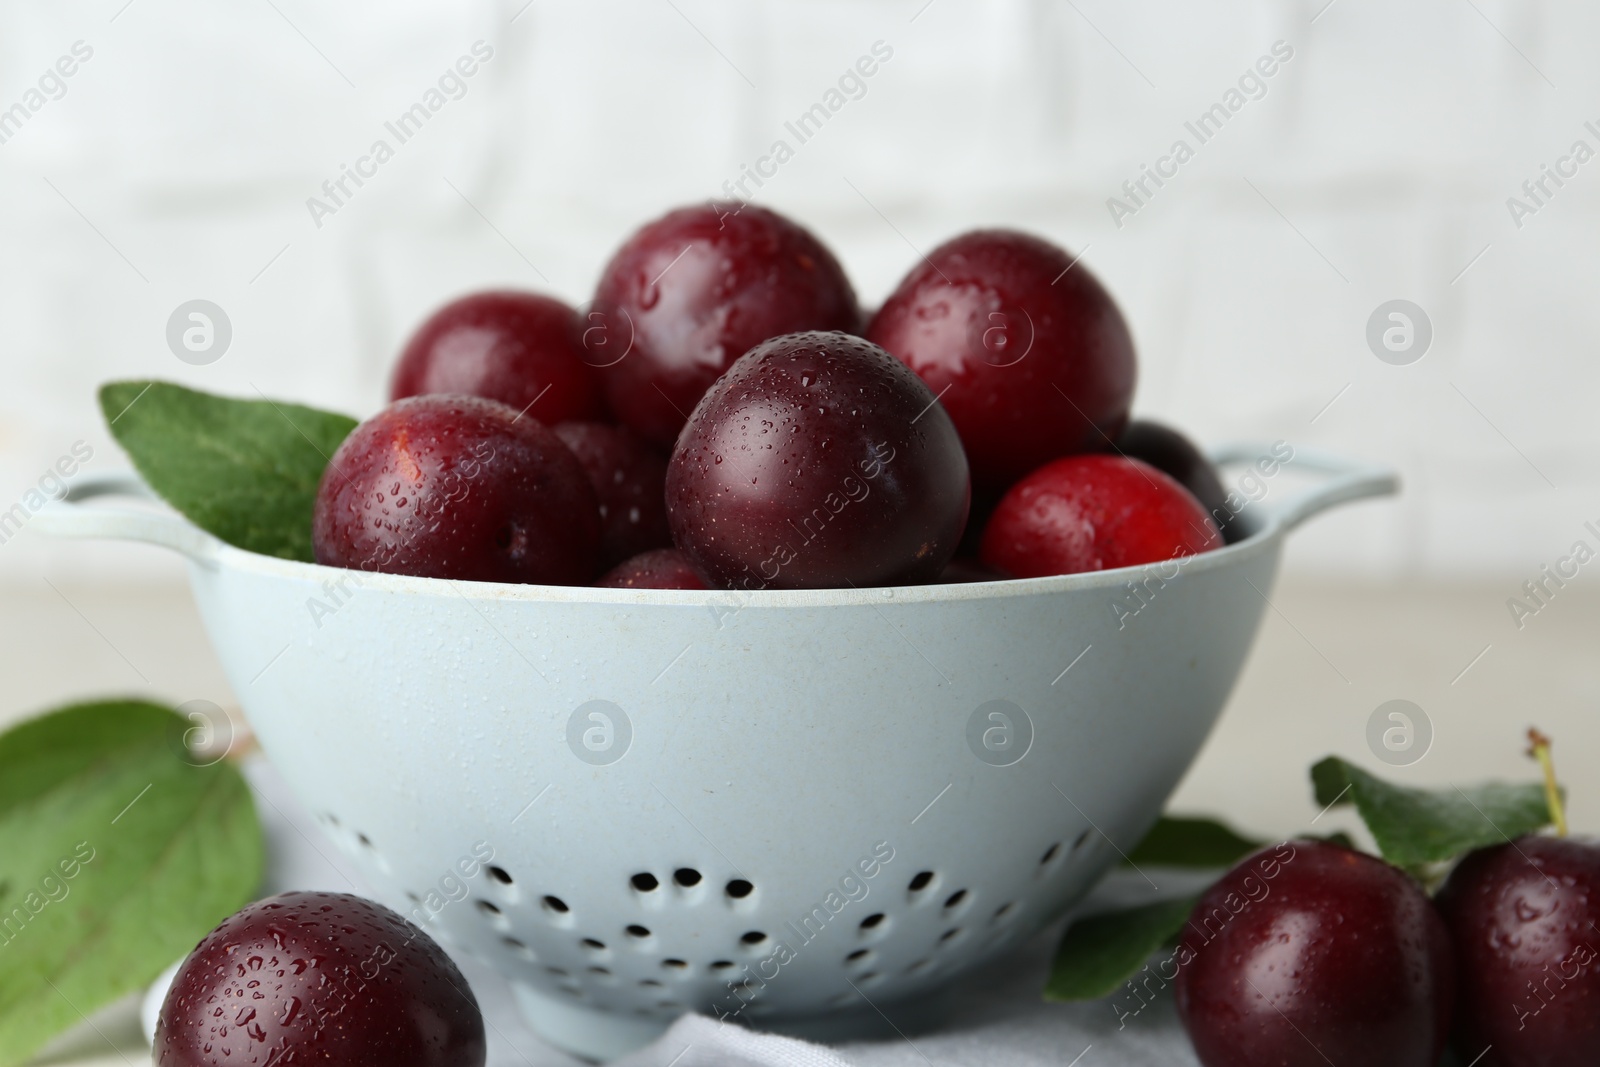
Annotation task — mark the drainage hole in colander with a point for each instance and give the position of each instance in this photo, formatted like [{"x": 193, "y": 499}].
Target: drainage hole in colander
[
  {"x": 650, "y": 983},
  {"x": 686, "y": 877},
  {"x": 874, "y": 925},
  {"x": 1003, "y": 912},
  {"x": 645, "y": 882},
  {"x": 739, "y": 889},
  {"x": 752, "y": 938},
  {"x": 366, "y": 842},
  {"x": 921, "y": 885},
  {"x": 860, "y": 957},
  {"x": 500, "y": 874},
  {"x": 637, "y": 932},
  {"x": 1082, "y": 840},
  {"x": 413, "y": 897},
  {"x": 675, "y": 965},
  {"x": 949, "y": 937},
  {"x": 556, "y": 906},
  {"x": 955, "y": 900},
  {"x": 557, "y": 971},
  {"x": 604, "y": 972},
  {"x": 331, "y": 818},
  {"x": 493, "y": 915},
  {"x": 592, "y": 945},
  {"x": 721, "y": 965},
  {"x": 1049, "y": 854}
]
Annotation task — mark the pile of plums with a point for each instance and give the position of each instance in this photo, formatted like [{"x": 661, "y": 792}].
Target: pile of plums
[
  {"x": 724, "y": 416},
  {"x": 1310, "y": 953}
]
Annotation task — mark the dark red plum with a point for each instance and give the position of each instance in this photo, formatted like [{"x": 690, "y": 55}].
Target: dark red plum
[
  {"x": 963, "y": 570},
  {"x": 1525, "y": 919},
  {"x": 696, "y": 289},
  {"x": 521, "y": 349},
  {"x": 818, "y": 461},
  {"x": 458, "y": 487},
  {"x": 630, "y": 480},
  {"x": 319, "y": 978},
  {"x": 1025, "y": 348},
  {"x": 661, "y": 568},
  {"x": 1307, "y": 954}
]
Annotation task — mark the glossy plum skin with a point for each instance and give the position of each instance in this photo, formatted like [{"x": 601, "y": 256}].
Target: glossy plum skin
[
  {"x": 630, "y": 480},
  {"x": 963, "y": 570},
  {"x": 1523, "y": 917},
  {"x": 661, "y": 568},
  {"x": 818, "y": 462},
  {"x": 319, "y": 978},
  {"x": 518, "y": 348},
  {"x": 1174, "y": 455},
  {"x": 1307, "y": 954},
  {"x": 1032, "y": 359},
  {"x": 1094, "y": 512},
  {"x": 458, "y": 487},
  {"x": 693, "y": 291}
]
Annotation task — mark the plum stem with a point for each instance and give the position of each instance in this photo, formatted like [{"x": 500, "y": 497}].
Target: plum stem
[{"x": 1539, "y": 749}]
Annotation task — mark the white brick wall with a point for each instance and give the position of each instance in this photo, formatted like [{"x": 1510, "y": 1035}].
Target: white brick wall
[{"x": 1390, "y": 141}]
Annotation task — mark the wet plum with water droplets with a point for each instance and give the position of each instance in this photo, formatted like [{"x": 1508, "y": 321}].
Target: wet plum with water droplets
[
  {"x": 1091, "y": 513},
  {"x": 693, "y": 291},
  {"x": 1025, "y": 347},
  {"x": 1525, "y": 917},
  {"x": 319, "y": 978},
  {"x": 519, "y": 348},
  {"x": 458, "y": 487},
  {"x": 818, "y": 461},
  {"x": 1308, "y": 953},
  {"x": 630, "y": 480},
  {"x": 662, "y": 568}
]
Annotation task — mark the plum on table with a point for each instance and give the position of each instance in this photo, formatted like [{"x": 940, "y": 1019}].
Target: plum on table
[{"x": 319, "y": 978}]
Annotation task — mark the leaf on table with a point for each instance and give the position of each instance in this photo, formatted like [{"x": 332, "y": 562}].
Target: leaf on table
[
  {"x": 117, "y": 855},
  {"x": 1417, "y": 827},
  {"x": 1187, "y": 841},
  {"x": 244, "y": 470},
  {"x": 1100, "y": 952}
]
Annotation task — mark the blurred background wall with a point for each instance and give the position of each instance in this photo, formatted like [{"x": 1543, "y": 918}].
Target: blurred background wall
[{"x": 1374, "y": 163}]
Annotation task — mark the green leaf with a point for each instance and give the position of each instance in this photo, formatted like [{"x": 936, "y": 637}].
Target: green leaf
[
  {"x": 244, "y": 470},
  {"x": 1416, "y": 827},
  {"x": 1101, "y": 952},
  {"x": 117, "y": 855},
  {"x": 1184, "y": 841}
]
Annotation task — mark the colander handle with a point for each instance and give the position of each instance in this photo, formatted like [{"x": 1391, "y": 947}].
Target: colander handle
[
  {"x": 68, "y": 517},
  {"x": 1347, "y": 479}
]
